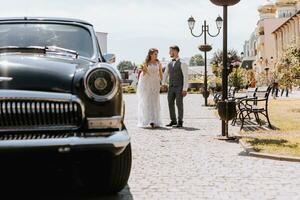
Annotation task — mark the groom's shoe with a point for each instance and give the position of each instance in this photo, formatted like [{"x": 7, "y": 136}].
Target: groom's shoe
[
  {"x": 171, "y": 124},
  {"x": 180, "y": 124}
]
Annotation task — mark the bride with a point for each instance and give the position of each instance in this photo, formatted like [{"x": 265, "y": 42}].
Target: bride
[{"x": 148, "y": 91}]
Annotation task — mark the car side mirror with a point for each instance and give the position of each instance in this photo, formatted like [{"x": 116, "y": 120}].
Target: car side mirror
[{"x": 110, "y": 58}]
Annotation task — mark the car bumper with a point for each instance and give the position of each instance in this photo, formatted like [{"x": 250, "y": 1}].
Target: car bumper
[{"x": 115, "y": 143}]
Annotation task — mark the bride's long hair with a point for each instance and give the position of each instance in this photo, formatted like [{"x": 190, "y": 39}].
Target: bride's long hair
[{"x": 150, "y": 52}]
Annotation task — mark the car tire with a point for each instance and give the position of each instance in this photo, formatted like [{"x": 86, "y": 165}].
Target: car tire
[
  {"x": 123, "y": 113},
  {"x": 120, "y": 170},
  {"x": 107, "y": 175}
]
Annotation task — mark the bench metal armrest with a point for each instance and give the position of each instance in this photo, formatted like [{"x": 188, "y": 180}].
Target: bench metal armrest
[
  {"x": 245, "y": 101},
  {"x": 238, "y": 99},
  {"x": 255, "y": 101}
]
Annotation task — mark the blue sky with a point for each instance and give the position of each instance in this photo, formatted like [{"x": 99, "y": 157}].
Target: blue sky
[{"x": 134, "y": 26}]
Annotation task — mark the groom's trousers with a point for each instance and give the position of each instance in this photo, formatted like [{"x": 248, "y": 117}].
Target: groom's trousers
[{"x": 175, "y": 93}]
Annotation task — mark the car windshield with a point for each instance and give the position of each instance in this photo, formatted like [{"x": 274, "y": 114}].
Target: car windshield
[{"x": 61, "y": 35}]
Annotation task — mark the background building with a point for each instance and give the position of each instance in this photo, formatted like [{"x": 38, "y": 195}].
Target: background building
[
  {"x": 277, "y": 27},
  {"x": 102, "y": 39},
  {"x": 286, "y": 34},
  {"x": 250, "y": 51}
]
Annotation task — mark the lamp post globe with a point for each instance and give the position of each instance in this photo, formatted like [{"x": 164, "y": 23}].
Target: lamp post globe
[
  {"x": 225, "y": 2},
  {"x": 219, "y": 22},
  {"x": 191, "y": 23}
]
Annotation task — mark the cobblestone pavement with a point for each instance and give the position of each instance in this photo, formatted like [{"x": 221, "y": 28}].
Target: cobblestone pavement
[{"x": 189, "y": 163}]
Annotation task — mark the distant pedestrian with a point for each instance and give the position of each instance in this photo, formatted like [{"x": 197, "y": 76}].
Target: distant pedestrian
[
  {"x": 213, "y": 84},
  {"x": 252, "y": 81},
  {"x": 286, "y": 89},
  {"x": 275, "y": 87}
]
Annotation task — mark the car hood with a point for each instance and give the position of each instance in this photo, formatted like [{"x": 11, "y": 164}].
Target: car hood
[{"x": 39, "y": 72}]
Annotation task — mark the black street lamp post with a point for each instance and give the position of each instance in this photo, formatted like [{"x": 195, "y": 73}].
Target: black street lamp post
[
  {"x": 205, "y": 48},
  {"x": 225, "y": 4}
]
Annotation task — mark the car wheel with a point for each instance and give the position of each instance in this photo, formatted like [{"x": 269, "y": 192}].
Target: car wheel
[
  {"x": 120, "y": 170},
  {"x": 108, "y": 174}
]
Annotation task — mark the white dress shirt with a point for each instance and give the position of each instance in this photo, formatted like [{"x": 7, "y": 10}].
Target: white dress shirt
[{"x": 185, "y": 73}]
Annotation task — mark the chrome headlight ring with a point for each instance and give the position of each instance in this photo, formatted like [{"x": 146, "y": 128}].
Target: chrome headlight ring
[{"x": 101, "y": 83}]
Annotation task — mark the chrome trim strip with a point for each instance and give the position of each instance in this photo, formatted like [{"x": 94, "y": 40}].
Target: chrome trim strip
[
  {"x": 76, "y": 99},
  {"x": 39, "y": 128},
  {"x": 117, "y": 139},
  {"x": 105, "y": 122},
  {"x": 34, "y": 95},
  {"x": 2, "y": 78},
  {"x": 108, "y": 96},
  {"x": 123, "y": 109}
]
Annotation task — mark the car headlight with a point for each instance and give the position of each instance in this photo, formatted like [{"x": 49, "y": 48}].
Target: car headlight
[{"x": 101, "y": 84}]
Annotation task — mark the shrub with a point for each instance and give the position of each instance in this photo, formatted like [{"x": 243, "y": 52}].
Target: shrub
[{"x": 238, "y": 78}]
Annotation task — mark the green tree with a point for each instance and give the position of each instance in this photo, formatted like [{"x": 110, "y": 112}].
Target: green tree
[
  {"x": 126, "y": 65},
  {"x": 216, "y": 69},
  {"x": 238, "y": 78},
  {"x": 217, "y": 61},
  {"x": 288, "y": 67},
  {"x": 197, "y": 60}
]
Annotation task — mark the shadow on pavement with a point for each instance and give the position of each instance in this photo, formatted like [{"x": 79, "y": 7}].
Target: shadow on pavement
[
  {"x": 162, "y": 129},
  {"x": 157, "y": 128},
  {"x": 253, "y": 126},
  {"x": 243, "y": 153},
  {"x": 125, "y": 194},
  {"x": 189, "y": 128}
]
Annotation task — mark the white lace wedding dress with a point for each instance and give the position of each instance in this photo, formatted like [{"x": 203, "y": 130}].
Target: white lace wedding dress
[{"x": 148, "y": 97}]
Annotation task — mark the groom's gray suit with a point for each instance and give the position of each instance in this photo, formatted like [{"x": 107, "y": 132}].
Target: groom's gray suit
[{"x": 177, "y": 84}]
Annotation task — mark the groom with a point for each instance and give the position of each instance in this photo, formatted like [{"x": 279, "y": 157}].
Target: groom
[{"x": 177, "y": 73}]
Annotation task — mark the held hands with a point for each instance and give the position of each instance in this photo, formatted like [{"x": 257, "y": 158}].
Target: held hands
[
  {"x": 164, "y": 88},
  {"x": 184, "y": 93}
]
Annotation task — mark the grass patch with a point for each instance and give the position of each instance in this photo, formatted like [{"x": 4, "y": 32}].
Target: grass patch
[
  {"x": 129, "y": 89},
  {"x": 282, "y": 145},
  {"x": 194, "y": 91},
  {"x": 285, "y": 116}
]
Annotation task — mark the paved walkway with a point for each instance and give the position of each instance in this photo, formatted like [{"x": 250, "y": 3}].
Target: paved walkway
[
  {"x": 189, "y": 163},
  {"x": 294, "y": 95}
]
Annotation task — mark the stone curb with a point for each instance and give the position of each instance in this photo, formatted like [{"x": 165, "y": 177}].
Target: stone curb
[
  {"x": 251, "y": 152},
  {"x": 237, "y": 135}
]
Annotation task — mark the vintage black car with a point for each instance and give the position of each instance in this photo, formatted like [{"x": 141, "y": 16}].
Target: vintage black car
[{"x": 60, "y": 96}]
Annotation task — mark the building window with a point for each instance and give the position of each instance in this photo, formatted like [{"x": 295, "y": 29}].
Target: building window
[
  {"x": 255, "y": 48},
  {"x": 261, "y": 31}
]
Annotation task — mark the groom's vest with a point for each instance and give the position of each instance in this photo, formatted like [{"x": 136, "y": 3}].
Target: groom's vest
[{"x": 175, "y": 74}]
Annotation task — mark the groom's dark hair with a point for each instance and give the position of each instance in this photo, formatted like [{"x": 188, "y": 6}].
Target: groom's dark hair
[{"x": 175, "y": 47}]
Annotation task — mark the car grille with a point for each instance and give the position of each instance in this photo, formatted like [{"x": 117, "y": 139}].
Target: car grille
[
  {"x": 34, "y": 136},
  {"x": 39, "y": 115}
]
